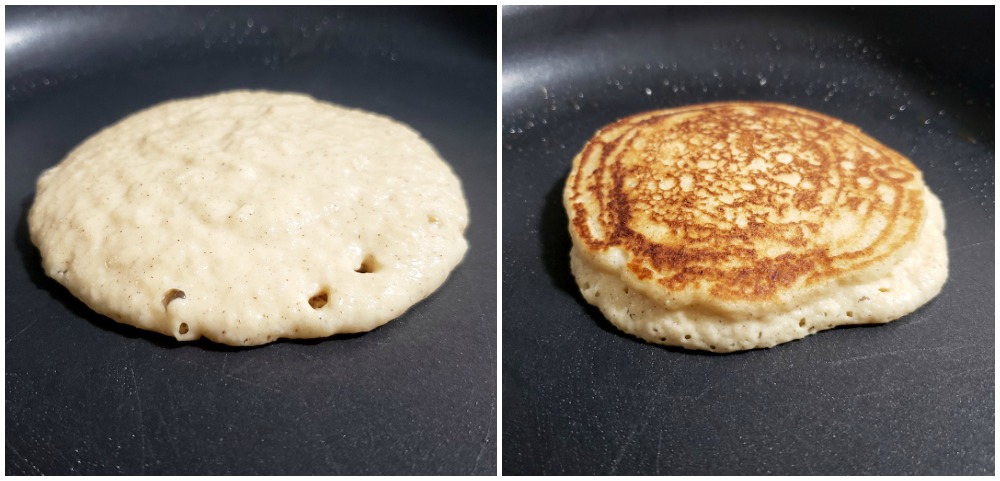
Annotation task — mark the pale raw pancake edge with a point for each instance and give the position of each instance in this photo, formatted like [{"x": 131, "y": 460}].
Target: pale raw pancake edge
[
  {"x": 77, "y": 244},
  {"x": 911, "y": 283}
]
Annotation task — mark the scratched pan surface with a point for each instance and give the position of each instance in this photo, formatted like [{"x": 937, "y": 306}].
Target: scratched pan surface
[
  {"x": 86, "y": 395},
  {"x": 914, "y": 396}
]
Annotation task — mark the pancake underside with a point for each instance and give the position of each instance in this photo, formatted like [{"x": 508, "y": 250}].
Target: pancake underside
[
  {"x": 741, "y": 203},
  {"x": 910, "y": 283}
]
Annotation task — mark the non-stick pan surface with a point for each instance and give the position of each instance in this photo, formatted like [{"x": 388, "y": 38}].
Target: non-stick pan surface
[
  {"x": 87, "y": 395},
  {"x": 913, "y": 396}
]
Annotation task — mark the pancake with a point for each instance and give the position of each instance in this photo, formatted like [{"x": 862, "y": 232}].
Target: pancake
[
  {"x": 913, "y": 281},
  {"x": 245, "y": 217},
  {"x": 736, "y": 214}
]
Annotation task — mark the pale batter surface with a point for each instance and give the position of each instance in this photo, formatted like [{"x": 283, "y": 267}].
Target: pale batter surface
[{"x": 245, "y": 217}]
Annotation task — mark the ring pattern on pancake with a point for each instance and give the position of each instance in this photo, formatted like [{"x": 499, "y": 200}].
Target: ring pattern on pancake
[{"x": 741, "y": 202}]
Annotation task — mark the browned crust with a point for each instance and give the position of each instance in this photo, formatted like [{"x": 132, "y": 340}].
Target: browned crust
[{"x": 700, "y": 245}]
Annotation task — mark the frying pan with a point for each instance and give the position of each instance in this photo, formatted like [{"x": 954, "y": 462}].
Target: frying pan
[
  {"x": 915, "y": 396},
  {"x": 87, "y": 395}
]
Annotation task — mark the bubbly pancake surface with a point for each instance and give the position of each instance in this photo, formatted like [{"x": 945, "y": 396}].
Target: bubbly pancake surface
[
  {"x": 742, "y": 210},
  {"x": 245, "y": 217}
]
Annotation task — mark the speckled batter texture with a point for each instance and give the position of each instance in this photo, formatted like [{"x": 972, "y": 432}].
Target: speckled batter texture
[{"x": 245, "y": 217}]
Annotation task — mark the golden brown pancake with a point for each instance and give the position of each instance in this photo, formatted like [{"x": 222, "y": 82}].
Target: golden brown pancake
[{"x": 742, "y": 210}]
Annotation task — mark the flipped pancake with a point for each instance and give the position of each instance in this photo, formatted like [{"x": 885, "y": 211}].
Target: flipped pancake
[
  {"x": 741, "y": 204},
  {"x": 741, "y": 210},
  {"x": 913, "y": 281}
]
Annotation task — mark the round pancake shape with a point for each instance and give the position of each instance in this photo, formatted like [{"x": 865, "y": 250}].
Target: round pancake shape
[
  {"x": 910, "y": 283},
  {"x": 245, "y": 217},
  {"x": 741, "y": 208}
]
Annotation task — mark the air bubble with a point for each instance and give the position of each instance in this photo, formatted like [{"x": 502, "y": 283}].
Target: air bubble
[{"x": 319, "y": 300}]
